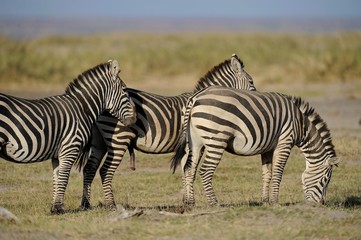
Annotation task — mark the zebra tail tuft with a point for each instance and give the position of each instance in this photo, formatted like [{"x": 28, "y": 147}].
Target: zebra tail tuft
[{"x": 180, "y": 152}]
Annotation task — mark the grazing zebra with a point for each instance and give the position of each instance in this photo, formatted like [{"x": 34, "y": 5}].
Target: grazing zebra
[
  {"x": 246, "y": 123},
  {"x": 58, "y": 127},
  {"x": 157, "y": 129}
]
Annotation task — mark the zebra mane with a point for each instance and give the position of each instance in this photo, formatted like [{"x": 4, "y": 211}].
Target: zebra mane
[
  {"x": 76, "y": 83},
  {"x": 315, "y": 119},
  {"x": 211, "y": 76}
]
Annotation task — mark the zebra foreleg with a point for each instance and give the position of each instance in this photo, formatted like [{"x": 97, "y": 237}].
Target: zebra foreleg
[
  {"x": 61, "y": 171},
  {"x": 280, "y": 157},
  {"x": 56, "y": 209},
  {"x": 266, "y": 175}
]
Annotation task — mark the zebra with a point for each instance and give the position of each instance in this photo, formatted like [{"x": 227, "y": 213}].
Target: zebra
[
  {"x": 156, "y": 131},
  {"x": 245, "y": 123},
  {"x": 59, "y": 127}
]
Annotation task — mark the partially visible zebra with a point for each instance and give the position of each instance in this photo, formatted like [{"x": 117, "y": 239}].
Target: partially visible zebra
[
  {"x": 59, "y": 127},
  {"x": 157, "y": 129},
  {"x": 246, "y": 123}
]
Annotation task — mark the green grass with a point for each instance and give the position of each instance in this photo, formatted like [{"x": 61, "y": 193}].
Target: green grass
[{"x": 26, "y": 191}]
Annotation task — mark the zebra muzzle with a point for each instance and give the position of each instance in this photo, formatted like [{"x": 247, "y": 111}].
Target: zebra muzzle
[{"x": 130, "y": 120}]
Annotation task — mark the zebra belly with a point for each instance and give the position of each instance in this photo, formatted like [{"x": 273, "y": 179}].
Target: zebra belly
[
  {"x": 147, "y": 145},
  {"x": 242, "y": 146}
]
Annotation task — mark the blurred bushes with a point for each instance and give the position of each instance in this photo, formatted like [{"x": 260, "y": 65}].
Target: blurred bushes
[{"x": 268, "y": 57}]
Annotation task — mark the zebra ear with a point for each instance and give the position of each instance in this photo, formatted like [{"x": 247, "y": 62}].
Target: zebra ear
[
  {"x": 114, "y": 67},
  {"x": 332, "y": 161},
  {"x": 236, "y": 64}
]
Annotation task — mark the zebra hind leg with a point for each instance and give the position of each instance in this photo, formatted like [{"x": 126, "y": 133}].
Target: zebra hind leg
[
  {"x": 189, "y": 175},
  {"x": 280, "y": 157},
  {"x": 89, "y": 172},
  {"x": 210, "y": 163},
  {"x": 107, "y": 171},
  {"x": 98, "y": 150}
]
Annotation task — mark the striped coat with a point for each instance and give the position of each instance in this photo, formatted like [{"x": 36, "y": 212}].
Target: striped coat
[
  {"x": 246, "y": 123},
  {"x": 59, "y": 127},
  {"x": 157, "y": 129}
]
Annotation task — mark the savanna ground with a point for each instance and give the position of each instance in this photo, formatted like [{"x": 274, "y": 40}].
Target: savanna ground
[{"x": 324, "y": 69}]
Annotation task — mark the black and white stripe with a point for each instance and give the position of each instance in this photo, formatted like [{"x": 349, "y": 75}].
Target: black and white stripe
[
  {"x": 58, "y": 127},
  {"x": 157, "y": 129},
  {"x": 246, "y": 123}
]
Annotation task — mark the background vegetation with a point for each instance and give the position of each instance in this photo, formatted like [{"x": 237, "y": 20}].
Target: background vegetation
[
  {"x": 323, "y": 68},
  {"x": 270, "y": 58}
]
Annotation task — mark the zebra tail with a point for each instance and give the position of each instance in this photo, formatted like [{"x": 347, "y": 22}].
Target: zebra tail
[
  {"x": 182, "y": 144},
  {"x": 180, "y": 152},
  {"x": 83, "y": 156}
]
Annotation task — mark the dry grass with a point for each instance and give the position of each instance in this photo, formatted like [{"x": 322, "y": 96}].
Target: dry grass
[
  {"x": 145, "y": 58},
  {"x": 26, "y": 191},
  {"x": 310, "y": 66}
]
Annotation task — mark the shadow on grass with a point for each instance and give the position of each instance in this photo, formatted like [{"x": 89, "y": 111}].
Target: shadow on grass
[
  {"x": 182, "y": 209},
  {"x": 349, "y": 202},
  {"x": 242, "y": 204}
]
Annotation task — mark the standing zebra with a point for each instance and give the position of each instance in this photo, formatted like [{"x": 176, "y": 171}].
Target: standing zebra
[
  {"x": 157, "y": 129},
  {"x": 58, "y": 127},
  {"x": 245, "y": 123}
]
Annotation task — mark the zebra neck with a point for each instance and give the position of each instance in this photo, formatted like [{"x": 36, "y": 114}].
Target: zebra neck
[
  {"x": 89, "y": 106},
  {"x": 317, "y": 146},
  {"x": 217, "y": 77}
]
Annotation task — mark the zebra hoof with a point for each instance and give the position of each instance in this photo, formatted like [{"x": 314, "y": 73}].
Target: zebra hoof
[
  {"x": 213, "y": 203},
  {"x": 187, "y": 207},
  {"x": 85, "y": 206},
  {"x": 188, "y": 204},
  {"x": 57, "y": 209},
  {"x": 265, "y": 202},
  {"x": 110, "y": 206}
]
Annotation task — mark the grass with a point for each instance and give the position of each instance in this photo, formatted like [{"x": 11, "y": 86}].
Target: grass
[
  {"x": 312, "y": 66},
  {"x": 305, "y": 59},
  {"x": 26, "y": 191}
]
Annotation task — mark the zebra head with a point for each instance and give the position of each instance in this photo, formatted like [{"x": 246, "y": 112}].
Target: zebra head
[
  {"x": 316, "y": 179},
  {"x": 118, "y": 102},
  {"x": 244, "y": 79}
]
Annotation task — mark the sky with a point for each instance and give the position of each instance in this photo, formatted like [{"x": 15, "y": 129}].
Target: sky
[{"x": 181, "y": 8}]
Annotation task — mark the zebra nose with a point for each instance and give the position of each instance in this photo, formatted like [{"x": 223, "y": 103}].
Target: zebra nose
[{"x": 130, "y": 120}]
